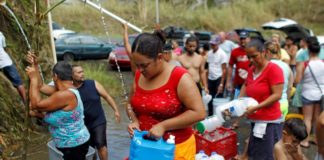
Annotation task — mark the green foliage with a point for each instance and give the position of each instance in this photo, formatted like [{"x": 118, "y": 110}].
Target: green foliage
[
  {"x": 100, "y": 72},
  {"x": 12, "y": 113},
  {"x": 238, "y": 13}
]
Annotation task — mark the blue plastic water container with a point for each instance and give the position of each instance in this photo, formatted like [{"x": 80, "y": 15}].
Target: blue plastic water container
[{"x": 146, "y": 149}]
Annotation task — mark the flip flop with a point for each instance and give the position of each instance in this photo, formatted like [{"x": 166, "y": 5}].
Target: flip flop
[{"x": 305, "y": 146}]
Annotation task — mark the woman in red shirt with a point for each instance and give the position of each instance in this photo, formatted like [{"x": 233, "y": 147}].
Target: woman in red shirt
[
  {"x": 264, "y": 83},
  {"x": 165, "y": 99}
]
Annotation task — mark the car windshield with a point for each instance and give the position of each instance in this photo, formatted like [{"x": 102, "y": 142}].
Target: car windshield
[
  {"x": 56, "y": 26},
  {"x": 90, "y": 40},
  {"x": 72, "y": 40}
]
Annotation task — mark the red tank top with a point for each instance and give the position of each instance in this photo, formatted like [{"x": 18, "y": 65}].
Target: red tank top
[{"x": 154, "y": 106}]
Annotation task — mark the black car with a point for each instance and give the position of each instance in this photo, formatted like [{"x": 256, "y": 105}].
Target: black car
[
  {"x": 177, "y": 33},
  {"x": 253, "y": 33},
  {"x": 82, "y": 47}
]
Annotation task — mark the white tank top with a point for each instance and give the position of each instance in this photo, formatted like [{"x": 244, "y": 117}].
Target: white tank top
[{"x": 310, "y": 90}]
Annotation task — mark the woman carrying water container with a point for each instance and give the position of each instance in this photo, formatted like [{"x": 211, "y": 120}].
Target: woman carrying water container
[
  {"x": 264, "y": 83},
  {"x": 64, "y": 112},
  {"x": 165, "y": 100}
]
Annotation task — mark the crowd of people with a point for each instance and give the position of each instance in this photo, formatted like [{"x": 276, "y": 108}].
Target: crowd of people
[{"x": 165, "y": 98}]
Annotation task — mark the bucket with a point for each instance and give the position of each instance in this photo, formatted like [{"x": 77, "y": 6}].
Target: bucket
[
  {"x": 219, "y": 101},
  {"x": 55, "y": 154}
]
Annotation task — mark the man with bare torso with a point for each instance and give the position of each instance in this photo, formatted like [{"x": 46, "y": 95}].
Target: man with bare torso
[{"x": 194, "y": 63}]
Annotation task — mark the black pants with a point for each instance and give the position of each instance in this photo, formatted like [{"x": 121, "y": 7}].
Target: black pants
[
  {"x": 75, "y": 153},
  {"x": 212, "y": 87}
]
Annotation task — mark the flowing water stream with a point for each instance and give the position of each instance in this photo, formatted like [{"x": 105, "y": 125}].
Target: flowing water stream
[{"x": 3, "y": 3}]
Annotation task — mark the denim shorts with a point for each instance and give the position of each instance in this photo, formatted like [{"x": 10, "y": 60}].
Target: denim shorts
[
  {"x": 12, "y": 74},
  {"x": 308, "y": 102}
]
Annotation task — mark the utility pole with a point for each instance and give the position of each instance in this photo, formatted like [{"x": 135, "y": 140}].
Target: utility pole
[{"x": 157, "y": 11}]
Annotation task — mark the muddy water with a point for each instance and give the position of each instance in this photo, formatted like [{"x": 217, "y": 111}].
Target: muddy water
[{"x": 118, "y": 138}]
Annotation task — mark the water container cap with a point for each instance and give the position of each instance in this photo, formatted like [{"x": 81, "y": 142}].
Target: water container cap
[
  {"x": 200, "y": 127},
  {"x": 213, "y": 153},
  {"x": 201, "y": 151},
  {"x": 171, "y": 139}
]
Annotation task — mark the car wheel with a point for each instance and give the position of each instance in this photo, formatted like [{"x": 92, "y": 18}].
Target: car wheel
[{"x": 68, "y": 57}]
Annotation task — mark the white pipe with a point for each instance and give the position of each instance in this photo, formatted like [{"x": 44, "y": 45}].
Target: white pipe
[
  {"x": 157, "y": 11},
  {"x": 49, "y": 18},
  {"x": 112, "y": 15}
]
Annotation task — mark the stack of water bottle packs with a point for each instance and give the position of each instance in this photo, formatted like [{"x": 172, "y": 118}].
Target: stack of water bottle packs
[{"x": 212, "y": 137}]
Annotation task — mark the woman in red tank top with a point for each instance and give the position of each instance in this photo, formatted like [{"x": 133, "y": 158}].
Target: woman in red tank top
[{"x": 165, "y": 99}]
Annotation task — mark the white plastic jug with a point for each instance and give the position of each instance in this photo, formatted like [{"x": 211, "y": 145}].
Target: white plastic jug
[
  {"x": 234, "y": 108},
  {"x": 206, "y": 99},
  {"x": 199, "y": 155},
  {"x": 209, "y": 124},
  {"x": 215, "y": 156}
]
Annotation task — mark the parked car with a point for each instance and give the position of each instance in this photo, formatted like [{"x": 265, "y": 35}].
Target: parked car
[
  {"x": 119, "y": 54},
  {"x": 321, "y": 40},
  {"x": 253, "y": 33},
  {"x": 203, "y": 36},
  {"x": 60, "y": 32},
  {"x": 82, "y": 47},
  {"x": 177, "y": 33},
  {"x": 289, "y": 27}
]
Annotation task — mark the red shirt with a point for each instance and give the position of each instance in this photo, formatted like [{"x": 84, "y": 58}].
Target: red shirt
[
  {"x": 238, "y": 57},
  {"x": 154, "y": 106},
  {"x": 260, "y": 90}
]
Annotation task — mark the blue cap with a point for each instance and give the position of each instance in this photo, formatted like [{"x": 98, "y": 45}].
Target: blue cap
[{"x": 215, "y": 41}]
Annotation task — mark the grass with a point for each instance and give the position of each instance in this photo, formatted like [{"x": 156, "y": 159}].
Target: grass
[
  {"x": 98, "y": 70},
  {"x": 240, "y": 13}
]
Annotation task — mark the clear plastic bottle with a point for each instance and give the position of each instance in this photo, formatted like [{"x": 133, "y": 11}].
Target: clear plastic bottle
[
  {"x": 199, "y": 155},
  {"x": 215, "y": 156},
  {"x": 204, "y": 157}
]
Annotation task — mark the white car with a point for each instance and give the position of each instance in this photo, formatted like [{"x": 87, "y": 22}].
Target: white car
[
  {"x": 289, "y": 27},
  {"x": 320, "y": 40},
  {"x": 60, "y": 32}
]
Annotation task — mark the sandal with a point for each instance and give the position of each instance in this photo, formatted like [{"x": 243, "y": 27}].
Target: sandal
[{"x": 304, "y": 146}]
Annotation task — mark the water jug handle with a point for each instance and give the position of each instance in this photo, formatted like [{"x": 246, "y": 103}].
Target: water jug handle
[{"x": 140, "y": 133}]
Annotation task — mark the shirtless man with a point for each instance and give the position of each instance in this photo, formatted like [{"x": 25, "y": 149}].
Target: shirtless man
[{"x": 194, "y": 63}]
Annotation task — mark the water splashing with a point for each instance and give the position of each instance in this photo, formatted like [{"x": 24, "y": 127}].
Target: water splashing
[
  {"x": 3, "y": 3},
  {"x": 108, "y": 37}
]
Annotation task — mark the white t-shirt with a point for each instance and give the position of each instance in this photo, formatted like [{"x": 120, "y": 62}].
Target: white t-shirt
[
  {"x": 215, "y": 61},
  {"x": 228, "y": 46},
  {"x": 5, "y": 60},
  {"x": 310, "y": 89}
]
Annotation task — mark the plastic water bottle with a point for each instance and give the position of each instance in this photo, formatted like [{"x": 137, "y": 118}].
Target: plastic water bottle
[
  {"x": 206, "y": 99},
  {"x": 209, "y": 124},
  {"x": 235, "y": 108},
  {"x": 205, "y": 157},
  {"x": 215, "y": 156},
  {"x": 144, "y": 149},
  {"x": 199, "y": 155}
]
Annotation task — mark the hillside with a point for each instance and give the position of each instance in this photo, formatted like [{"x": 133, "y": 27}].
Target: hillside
[
  {"x": 77, "y": 16},
  {"x": 12, "y": 113}
]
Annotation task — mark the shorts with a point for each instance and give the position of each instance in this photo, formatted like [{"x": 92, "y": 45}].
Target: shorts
[
  {"x": 98, "y": 136},
  {"x": 306, "y": 101},
  {"x": 262, "y": 148},
  {"x": 13, "y": 75},
  {"x": 186, "y": 150}
]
